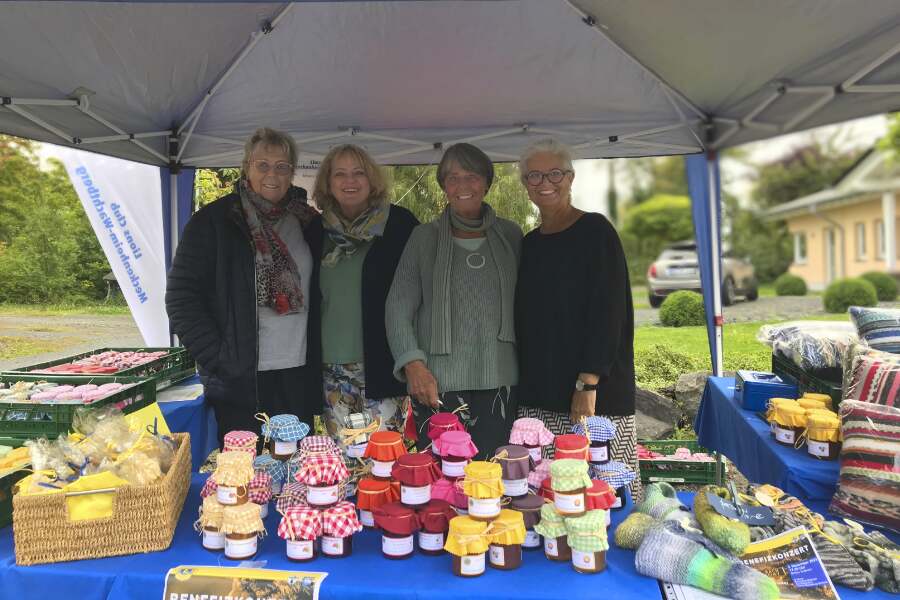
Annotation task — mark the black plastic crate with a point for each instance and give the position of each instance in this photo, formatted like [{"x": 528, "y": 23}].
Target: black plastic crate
[{"x": 808, "y": 381}]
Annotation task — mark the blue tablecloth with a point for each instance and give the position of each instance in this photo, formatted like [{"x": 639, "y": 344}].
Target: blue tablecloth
[
  {"x": 365, "y": 574},
  {"x": 722, "y": 425},
  {"x": 192, "y": 416}
]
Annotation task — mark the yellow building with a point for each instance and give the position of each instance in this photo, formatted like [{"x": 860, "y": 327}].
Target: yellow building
[{"x": 849, "y": 228}]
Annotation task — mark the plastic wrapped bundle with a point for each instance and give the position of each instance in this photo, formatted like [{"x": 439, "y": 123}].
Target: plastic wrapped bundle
[{"x": 810, "y": 344}]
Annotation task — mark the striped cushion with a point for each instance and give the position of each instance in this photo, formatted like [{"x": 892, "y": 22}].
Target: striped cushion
[
  {"x": 879, "y": 327},
  {"x": 869, "y": 482},
  {"x": 875, "y": 377}
]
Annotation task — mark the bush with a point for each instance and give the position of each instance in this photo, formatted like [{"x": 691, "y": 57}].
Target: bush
[
  {"x": 790, "y": 285},
  {"x": 844, "y": 293},
  {"x": 885, "y": 285},
  {"x": 682, "y": 308}
]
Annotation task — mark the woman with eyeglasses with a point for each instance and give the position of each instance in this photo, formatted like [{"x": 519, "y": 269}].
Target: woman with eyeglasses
[
  {"x": 364, "y": 237},
  {"x": 242, "y": 293},
  {"x": 450, "y": 315},
  {"x": 574, "y": 316}
]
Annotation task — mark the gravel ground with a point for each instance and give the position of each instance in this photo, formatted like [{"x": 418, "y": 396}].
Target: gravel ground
[
  {"x": 775, "y": 308},
  {"x": 71, "y": 334}
]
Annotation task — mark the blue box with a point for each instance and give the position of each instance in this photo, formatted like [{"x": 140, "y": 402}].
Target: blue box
[{"x": 753, "y": 389}]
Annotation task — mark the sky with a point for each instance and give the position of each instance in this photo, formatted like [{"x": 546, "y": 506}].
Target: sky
[{"x": 592, "y": 180}]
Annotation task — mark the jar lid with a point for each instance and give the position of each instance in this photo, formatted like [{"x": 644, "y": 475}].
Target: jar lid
[
  {"x": 530, "y": 431},
  {"x": 465, "y": 525},
  {"x": 569, "y": 474},
  {"x": 444, "y": 489},
  {"x": 814, "y": 403},
  {"x": 515, "y": 461},
  {"x": 571, "y": 442},
  {"x": 417, "y": 469},
  {"x": 292, "y": 494},
  {"x": 435, "y": 516},
  {"x": 600, "y": 496},
  {"x": 549, "y": 515},
  {"x": 508, "y": 528},
  {"x": 209, "y": 487},
  {"x": 530, "y": 506},
  {"x": 372, "y": 493},
  {"x": 300, "y": 523},
  {"x": 385, "y": 446},
  {"x": 322, "y": 469},
  {"x": 442, "y": 422},
  {"x": 313, "y": 445},
  {"x": 340, "y": 520},
  {"x": 285, "y": 428},
  {"x": 455, "y": 443},
  {"x": 466, "y": 536},
  {"x": 546, "y": 489},
  {"x": 395, "y": 518},
  {"x": 211, "y": 513},
  {"x": 233, "y": 467},
  {"x": 539, "y": 474},
  {"x": 239, "y": 440},
  {"x": 483, "y": 480},
  {"x": 616, "y": 474},
  {"x": 599, "y": 429},
  {"x": 587, "y": 533},
  {"x": 275, "y": 468},
  {"x": 242, "y": 519},
  {"x": 259, "y": 490}
]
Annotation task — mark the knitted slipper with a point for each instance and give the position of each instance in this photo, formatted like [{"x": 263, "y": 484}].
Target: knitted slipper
[{"x": 730, "y": 534}]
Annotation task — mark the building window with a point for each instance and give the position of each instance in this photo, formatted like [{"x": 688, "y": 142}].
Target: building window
[
  {"x": 879, "y": 239},
  {"x": 800, "y": 248},
  {"x": 860, "y": 241}
]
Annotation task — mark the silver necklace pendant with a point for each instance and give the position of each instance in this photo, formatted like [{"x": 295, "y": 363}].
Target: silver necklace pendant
[{"x": 472, "y": 260}]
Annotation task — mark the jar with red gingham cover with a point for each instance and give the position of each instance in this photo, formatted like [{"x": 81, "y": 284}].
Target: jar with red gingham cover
[
  {"x": 300, "y": 528},
  {"x": 339, "y": 523}
]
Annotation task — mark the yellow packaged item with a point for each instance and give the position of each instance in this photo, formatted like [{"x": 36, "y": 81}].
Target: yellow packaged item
[
  {"x": 508, "y": 528},
  {"x": 825, "y": 399},
  {"x": 483, "y": 480},
  {"x": 466, "y": 536},
  {"x": 233, "y": 468}
]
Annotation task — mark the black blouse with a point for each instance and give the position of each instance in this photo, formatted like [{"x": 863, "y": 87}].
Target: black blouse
[{"x": 574, "y": 315}]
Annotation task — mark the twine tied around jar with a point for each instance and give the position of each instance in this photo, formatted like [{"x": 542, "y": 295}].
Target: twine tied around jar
[
  {"x": 264, "y": 419},
  {"x": 349, "y": 434}
]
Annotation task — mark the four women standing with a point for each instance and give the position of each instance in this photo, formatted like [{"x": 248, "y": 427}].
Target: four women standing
[{"x": 442, "y": 311}]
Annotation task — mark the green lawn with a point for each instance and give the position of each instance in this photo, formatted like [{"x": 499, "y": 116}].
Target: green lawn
[{"x": 38, "y": 310}]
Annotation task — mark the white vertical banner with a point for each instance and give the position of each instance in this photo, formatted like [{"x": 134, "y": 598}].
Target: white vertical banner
[{"x": 123, "y": 201}]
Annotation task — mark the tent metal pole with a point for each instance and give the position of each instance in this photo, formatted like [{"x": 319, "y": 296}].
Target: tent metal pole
[
  {"x": 716, "y": 257},
  {"x": 42, "y": 102},
  {"x": 322, "y": 138},
  {"x": 255, "y": 37},
  {"x": 124, "y": 137},
  {"x": 488, "y": 136},
  {"x": 40, "y": 122},
  {"x": 84, "y": 106},
  {"x": 218, "y": 140},
  {"x": 828, "y": 95},
  {"x": 406, "y": 152},
  {"x": 661, "y": 145},
  {"x": 387, "y": 138},
  {"x": 849, "y": 83}
]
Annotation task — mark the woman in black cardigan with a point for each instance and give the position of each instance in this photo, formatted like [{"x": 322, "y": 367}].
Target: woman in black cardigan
[
  {"x": 574, "y": 316},
  {"x": 364, "y": 236}
]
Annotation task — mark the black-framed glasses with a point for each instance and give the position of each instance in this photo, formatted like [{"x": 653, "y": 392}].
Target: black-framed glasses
[
  {"x": 280, "y": 168},
  {"x": 536, "y": 178}
]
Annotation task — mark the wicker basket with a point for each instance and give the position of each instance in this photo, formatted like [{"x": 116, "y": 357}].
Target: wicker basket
[{"x": 144, "y": 519}]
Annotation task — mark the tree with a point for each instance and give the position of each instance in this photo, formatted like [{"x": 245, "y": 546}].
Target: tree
[
  {"x": 210, "y": 184},
  {"x": 650, "y": 226}
]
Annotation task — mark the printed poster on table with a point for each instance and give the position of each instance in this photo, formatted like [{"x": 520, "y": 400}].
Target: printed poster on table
[{"x": 239, "y": 583}]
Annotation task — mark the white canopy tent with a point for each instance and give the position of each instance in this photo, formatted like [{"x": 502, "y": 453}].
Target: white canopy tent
[{"x": 183, "y": 84}]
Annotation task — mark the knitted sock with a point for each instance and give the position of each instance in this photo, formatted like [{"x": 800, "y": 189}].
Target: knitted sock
[
  {"x": 661, "y": 502},
  {"x": 666, "y": 555},
  {"x": 732, "y": 535},
  {"x": 631, "y": 531}
]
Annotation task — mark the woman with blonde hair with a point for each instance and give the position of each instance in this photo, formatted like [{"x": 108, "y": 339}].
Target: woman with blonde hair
[{"x": 364, "y": 236}]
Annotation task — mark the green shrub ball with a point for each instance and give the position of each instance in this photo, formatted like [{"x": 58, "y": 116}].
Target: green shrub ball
[
  {"x": 844, "y": 293},
  {"x": 682, "y": 309},
  {"x": 885, "y": 285},
  {"x": 790, "y": 285}
]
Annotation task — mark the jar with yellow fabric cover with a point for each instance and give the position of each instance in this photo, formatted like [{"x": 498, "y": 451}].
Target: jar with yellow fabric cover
[
  {"x": 506, "y": 537},
  {"x": 210, "y": 524},
  {"x": 242, "y": 526},
  {"x": 789, "y": 423},
  {"x": 234, "y": 470},
  {"x": 483, "y": 485},
  {"x": 823, "y": 435},
  {"x": 467, "y": 541}
]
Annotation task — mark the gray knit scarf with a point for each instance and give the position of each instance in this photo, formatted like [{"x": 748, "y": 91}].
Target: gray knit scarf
[{"x": 504, "y": 256}]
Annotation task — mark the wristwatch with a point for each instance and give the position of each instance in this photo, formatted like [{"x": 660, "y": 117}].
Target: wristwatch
[{"x": 581, "y": 386}]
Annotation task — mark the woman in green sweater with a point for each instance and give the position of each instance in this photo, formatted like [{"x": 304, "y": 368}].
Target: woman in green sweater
[{"x": 450, "y": 320}]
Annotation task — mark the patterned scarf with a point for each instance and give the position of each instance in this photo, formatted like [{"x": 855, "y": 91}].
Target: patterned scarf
[
  {"x": 348, "y": 236},
  {"x": 277, "y": 276}
]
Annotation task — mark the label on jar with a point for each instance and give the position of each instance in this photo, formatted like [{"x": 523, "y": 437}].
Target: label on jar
[
  {"x": 382, "y": 469},
  {"x": 431, "y": 541},
  {"x": 515, "y": 487},
  {"x": 264, "y": 510},
  {"x": 453, "y": 468},
  {"x": 282, "y": 448},
  {"x": 583, "y": 560},
  {"x": 213, "y": 540},
  {"x": 600, "y": 454},
  {"x": 498, "y": 556},
  {"x": 488, "y": 507},
  {"x": 551, "y": 548},
  {"x": 785, "y": 436},
  {"x": 535, "y": 454},
  {"x": 227, "y": 495},
  {"x": 817, "y": 448},
  {"x": 415, "y": 495},
  {"x": 240, "y": 548},
  {"x": 367, "y": 518},
  {"x": 532, "y": 539},
  {"x": 276, "y": 487},
  {"x": 472, "y": 564},
  {"x": 316, "y": 495},
  {"x": 332, "y": 546},
  {"x": 396, "y": 546},
  {"x": 569, "y": 503},
  {"x": 300, "y": 549},
  {"x": 357, "y": 450}
]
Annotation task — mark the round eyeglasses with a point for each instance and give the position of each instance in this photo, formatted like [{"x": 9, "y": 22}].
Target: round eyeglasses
[
  {"x": 535, "y": 178},
  {"x": 280, "y": 168}
]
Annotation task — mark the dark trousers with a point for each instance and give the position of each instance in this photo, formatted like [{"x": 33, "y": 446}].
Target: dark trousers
[
  {"x": 282, "y": 391},
  {"x": 488, "y": 418}
]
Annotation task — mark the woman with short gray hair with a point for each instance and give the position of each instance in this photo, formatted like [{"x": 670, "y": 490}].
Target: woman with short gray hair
[
  {"x": 450, "y": 309},
  {"x": 242, "y": 294}
]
